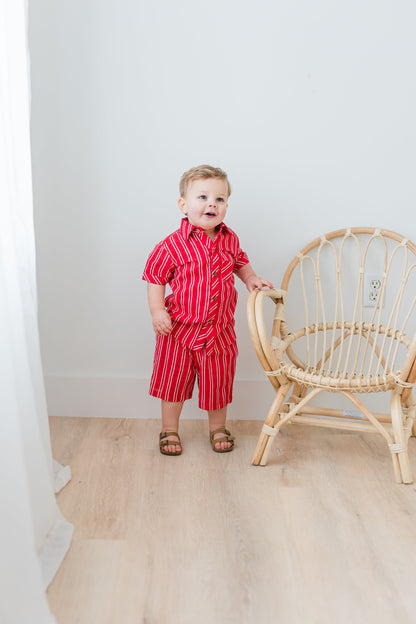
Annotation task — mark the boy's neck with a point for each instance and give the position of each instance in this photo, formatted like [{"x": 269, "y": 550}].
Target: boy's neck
[{"x": 211, "y": 233}]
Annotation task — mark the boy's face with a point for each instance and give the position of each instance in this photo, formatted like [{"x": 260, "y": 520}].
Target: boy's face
[{"x": 205, "y": 203}]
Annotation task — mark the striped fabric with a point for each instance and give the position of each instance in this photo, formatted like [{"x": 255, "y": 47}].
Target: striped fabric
[
  {"x": 200, "y": 274},
  {"x": 176, "y": 367}
]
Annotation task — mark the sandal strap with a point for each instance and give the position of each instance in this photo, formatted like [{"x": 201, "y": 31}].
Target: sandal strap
[
  {"x": 228, "y": 438},
  {"x": 164, "y": 442},
  {"x": 165, "y": 434}
]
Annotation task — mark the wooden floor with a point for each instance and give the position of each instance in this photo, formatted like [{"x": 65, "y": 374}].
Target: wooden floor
[{"x": 321, "y": 535}]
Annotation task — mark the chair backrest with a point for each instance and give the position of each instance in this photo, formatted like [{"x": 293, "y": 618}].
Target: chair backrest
[{"x": 358, "y": 287}]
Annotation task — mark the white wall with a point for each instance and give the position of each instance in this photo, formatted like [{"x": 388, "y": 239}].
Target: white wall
[{"x": 309, "y": 106}]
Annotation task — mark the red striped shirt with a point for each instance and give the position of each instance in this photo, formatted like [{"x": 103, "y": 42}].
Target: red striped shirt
[{"x": 200, "y": 274}]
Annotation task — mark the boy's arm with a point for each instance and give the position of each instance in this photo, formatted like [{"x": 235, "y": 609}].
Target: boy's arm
[
  {"x": 161, "y": 320},
  {"x": 250, "y": 279}
]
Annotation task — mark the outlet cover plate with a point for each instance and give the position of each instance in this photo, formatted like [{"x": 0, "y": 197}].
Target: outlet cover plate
[{"x": 372, "y": 285}]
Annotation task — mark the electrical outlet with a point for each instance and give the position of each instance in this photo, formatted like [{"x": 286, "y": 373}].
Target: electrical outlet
[{"x": 372, "y": 286}]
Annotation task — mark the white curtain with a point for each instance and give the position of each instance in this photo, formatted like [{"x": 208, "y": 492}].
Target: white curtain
[{"x": 34, "y": 537}]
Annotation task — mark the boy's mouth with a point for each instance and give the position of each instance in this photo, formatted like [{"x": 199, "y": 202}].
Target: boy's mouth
[{"x": 210, "y": 214}]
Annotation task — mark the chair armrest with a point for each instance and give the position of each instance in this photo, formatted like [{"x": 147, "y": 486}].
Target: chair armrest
[
  {"x": 275, "y": 293},
  {"x": 272, "y": 355},
  {"x": 258, "y": 331}
]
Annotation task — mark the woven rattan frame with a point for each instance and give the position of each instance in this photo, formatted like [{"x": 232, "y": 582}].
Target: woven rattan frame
[{"x": 348, "y": 348}]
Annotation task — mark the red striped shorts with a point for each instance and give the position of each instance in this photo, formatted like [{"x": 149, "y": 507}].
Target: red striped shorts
[{"x": 176, "y": 367}]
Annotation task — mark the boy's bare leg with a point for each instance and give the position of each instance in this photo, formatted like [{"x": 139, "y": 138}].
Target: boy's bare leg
[
  {"x": 216, "y": 419},
  {"x": 170, "y": 422}
]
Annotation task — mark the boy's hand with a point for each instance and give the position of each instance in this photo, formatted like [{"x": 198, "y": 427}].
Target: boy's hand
[
  {"x": 162, "y": 323},
  {"x": 161, "y": 320},
  {"x": 250, "y": 279},
  {"x": 254, "y": 281}
]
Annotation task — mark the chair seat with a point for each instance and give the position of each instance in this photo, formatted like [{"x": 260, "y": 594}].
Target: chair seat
[{"x": 332, "y": 383}]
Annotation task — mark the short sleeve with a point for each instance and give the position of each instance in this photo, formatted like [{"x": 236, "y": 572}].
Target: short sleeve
[
  {"x": 159, "y": 267},
  {"x": 241, "y": 259}
]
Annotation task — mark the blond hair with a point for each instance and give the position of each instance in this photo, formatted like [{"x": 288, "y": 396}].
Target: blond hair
[{"x": 202, "y": 172}]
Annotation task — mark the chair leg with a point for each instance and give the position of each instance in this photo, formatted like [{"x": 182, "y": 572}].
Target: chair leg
[
  {"x": 410, "y": 404},
  {"x": 265, "y": 441},
  {"x": 400, "y": 438}
]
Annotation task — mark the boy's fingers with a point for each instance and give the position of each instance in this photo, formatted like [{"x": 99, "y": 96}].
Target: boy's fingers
[{"x": 163, "y": 328}]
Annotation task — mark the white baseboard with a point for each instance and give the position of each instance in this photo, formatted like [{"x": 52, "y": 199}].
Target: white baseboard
[{"x": 129, "y": 398}]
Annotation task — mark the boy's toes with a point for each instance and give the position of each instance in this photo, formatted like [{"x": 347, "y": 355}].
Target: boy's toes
[
  {"x": 222, "y": 446},
  {"x": 173, "y": 448}
]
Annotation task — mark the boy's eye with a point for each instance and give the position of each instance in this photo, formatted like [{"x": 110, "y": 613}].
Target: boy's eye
[
  {"x": 220, "y": 199},
  {"x": 202, "y": 197}
]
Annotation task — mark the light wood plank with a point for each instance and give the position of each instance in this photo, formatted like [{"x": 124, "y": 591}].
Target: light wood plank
[{"x": 320, "y": 535}]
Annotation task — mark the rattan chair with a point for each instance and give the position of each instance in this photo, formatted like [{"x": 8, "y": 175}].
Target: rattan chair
[{"x": 354, "y": 334}]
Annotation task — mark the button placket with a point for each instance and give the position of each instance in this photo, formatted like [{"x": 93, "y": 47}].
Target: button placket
[{"x": 215, "y": 288}]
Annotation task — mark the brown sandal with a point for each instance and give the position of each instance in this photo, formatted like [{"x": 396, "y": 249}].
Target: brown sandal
[
  {"x": 227, "y": 438},
  {"x": 163, "y": 442}
]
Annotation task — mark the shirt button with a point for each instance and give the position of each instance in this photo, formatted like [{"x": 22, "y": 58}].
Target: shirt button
[
  {"x": 210, "y": 322},
  {"x": 214, "y": 298},
  {"x": 215, "y": 273},
  {"x": 214, "y": 249}
]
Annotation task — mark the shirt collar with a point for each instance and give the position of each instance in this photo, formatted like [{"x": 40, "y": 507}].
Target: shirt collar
[{"x": 187, "y": 228}]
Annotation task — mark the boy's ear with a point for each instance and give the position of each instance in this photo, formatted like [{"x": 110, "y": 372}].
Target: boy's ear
[{"x": 181, "y": 204}]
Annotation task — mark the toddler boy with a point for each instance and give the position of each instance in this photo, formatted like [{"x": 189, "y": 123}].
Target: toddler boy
[{"x": 194, "y": 325}]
